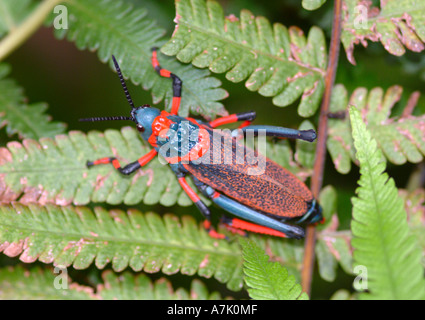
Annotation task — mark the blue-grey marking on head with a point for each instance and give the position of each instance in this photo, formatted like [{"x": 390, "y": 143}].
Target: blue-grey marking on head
[{"x": 145, "y": 116}]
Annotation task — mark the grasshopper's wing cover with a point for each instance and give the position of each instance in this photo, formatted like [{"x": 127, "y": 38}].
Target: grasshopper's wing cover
[{"x": 250, "y": 178}]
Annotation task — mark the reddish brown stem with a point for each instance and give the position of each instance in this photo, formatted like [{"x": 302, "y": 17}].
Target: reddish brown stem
[{"x": 319, "y": 164}]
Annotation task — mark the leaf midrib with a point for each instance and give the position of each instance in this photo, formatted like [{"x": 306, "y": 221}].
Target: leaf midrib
[{"x": 114, "y": 239}]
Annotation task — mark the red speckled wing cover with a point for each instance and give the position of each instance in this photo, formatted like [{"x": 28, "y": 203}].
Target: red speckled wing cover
[{"x": 276, "y": 191}]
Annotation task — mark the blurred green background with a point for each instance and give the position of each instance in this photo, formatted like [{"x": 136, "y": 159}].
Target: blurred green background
[{"x": 76, "y": 85}]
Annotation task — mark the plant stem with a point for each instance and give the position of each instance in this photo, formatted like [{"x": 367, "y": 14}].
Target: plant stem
[
  {"x": 319, "y": 164},
  {"x": 20, "y": 34}
]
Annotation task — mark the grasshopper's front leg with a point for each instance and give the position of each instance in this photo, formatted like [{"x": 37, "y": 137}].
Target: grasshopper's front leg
[{"x": 129, "y": 168}]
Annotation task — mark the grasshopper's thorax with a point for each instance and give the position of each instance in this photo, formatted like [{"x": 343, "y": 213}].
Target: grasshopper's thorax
[
  {"x": 185, "y": 140},
  {"x": 160, "y": 127},
  {"x": 175, "y": 138}
]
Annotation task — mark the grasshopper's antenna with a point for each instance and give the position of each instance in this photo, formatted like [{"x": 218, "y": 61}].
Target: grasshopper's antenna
[
  {"x": 106, "y": 118},
  {"x": 127, "y": 94}
]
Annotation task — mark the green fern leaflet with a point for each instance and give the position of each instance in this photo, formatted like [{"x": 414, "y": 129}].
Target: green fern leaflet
[
  {"x": 267, "y": 280},
  {"x": 382, "y": 240}
]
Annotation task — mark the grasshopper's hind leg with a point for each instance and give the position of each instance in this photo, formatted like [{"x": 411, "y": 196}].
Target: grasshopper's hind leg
[{"x": 260, "y": 223}]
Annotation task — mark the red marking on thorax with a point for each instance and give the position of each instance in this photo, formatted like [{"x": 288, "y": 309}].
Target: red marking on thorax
[{"x": 160, "y": 125}]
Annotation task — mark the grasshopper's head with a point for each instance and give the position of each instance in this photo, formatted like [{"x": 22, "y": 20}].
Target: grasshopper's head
[{"x": 143, "y": 116}]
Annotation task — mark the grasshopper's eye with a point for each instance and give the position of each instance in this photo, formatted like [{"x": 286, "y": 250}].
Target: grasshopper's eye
[{"x": 140, "y": 128}]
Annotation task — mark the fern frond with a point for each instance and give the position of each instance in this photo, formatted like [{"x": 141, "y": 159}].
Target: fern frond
[
  {"x": 400, "y": 139},
  {"x": 381, "y": 239},
  {"x": 126, "y": 286},
  {"x": 396, "y": 24},
  {"x": 27, "y": 120},
  {"x": 54, "y": 170},
  {"x": 113, "y": 27},
  {"x": 36, "y": 283},
  {"x": 267, "y": 280},
  {"x": 46, "y": 230},
  {"x": 68, "y": 236},
  {"x": 17, "y": 283},
  {"x": 278, "y": 62}
]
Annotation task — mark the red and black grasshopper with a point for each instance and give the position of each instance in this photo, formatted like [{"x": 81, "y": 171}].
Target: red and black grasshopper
[{"x": 273, "y": 200}]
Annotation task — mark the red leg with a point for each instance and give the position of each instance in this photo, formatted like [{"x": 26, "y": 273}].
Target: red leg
[
  {"x": 237, "y": 224},
  {"x": 247, "y": 116},
  {"x": 129, "y": 168},
  {"x": 177, "y": 82},
  {"x": 202, "y": 207}
]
